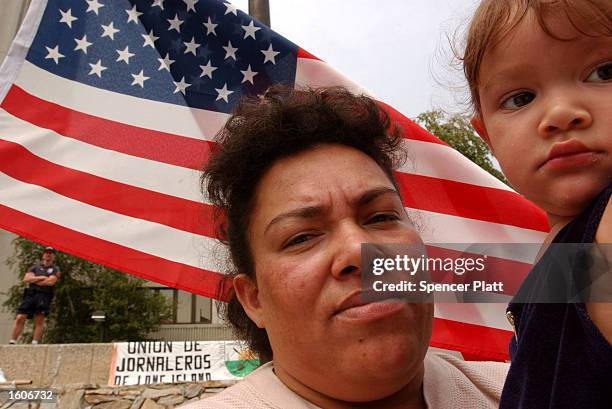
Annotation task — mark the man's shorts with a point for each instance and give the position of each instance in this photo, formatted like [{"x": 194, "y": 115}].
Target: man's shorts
[{"x": 35, "y": 302}]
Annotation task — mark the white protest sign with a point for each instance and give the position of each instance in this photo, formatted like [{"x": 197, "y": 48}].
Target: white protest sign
[{"x": 139, "y": 363}]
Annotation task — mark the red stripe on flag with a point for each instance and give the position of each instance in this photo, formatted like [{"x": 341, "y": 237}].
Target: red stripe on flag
[
  {"x": 305, "y": 54},
  {"x": 132, "y": 140},
  {"x": 409, "y": 128},
  {"x": 182, "y": 214},
  {"x": 474, "y": 340},
  {"x": 112, "y": 255},
  {"x": 510, "y": 272},
  {"x": 469, "y": 201}
]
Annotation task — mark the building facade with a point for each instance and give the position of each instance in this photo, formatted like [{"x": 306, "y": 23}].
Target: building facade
[{"x": 193, "y": 317}]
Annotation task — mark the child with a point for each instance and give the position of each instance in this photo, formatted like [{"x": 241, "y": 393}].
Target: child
[{"x": 540, "y": 76}]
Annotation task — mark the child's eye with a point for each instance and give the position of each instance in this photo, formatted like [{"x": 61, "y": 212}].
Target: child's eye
[
  {"x": 602, "y": 73},
  {"x": 383, "y": 217},
  {"x": 518, "y": 100}
]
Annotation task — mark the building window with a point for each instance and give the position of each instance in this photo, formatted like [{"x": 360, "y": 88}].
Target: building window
[{"x": 187, "y": 308}]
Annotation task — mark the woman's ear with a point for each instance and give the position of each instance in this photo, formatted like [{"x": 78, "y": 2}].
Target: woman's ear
[
  {"x": 248, "y": 295},
  {"x": 479, "y": 126}
]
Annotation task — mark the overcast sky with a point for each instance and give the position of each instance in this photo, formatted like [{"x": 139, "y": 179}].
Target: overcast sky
[{"x": 397, "y": 49}]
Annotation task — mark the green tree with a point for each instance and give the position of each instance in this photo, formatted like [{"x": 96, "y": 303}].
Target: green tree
[
  {"x": 456, "y": 131},
  {"x": 132, "y": 310}
]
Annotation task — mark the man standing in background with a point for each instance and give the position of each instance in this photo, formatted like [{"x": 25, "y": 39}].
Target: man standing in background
[{"x": 37, "y": 297}]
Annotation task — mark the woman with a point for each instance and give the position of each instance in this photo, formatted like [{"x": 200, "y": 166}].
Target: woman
[{"x": 303, "y": 178}]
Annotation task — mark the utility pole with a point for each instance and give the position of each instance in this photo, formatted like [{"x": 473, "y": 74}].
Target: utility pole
[{"x": 260, "y": 9}]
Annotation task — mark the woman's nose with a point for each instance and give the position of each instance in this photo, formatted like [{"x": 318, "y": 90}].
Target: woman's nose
[
  {"x": 562, "y": 115},
  {"x": 347, "y": 250}
]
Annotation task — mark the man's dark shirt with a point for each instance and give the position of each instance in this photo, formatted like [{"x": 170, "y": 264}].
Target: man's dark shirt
[{"x": 40, "y": 270}]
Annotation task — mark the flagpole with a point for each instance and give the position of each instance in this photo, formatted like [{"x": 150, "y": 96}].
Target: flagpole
[{"x": 260, "y": 9}]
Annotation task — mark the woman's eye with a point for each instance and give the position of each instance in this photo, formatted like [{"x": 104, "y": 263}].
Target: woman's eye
[
  {"x": 299, "y": 239},
  {"x": 603, "y": 73},
  {"x": 383, "y": 217},
  {"x": 519, "y": 100}
]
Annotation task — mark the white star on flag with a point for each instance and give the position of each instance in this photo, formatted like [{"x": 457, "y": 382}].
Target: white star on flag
[
  {"x": 165, "y": 63},
  {"x": 139, "y": 78},
  {"x": 192, "y": 46},
  {"x": 109, "y": 30},
  {"x": 181, "y": 86},
  {"x": 210, "y": 27},
  {"x": 67, "y": 17},
  {"x": 82, "y": 44},
  {"x": 190, "y": 5},
  {"x": 124, "y": 55},
  {"x": 230, "y": 51},
  {"x": 270, "y": 54},
  {"x": 93, "y": 5},
  {"x": 223, "y": 93},
  {"x": 133, "y": 15},
  {"x": 207, "y": 70},
  {"x": 248, "y": 75},
  {"x": 175, "y": 23},
  {"x": 54, "y": 54},
  {"x": 149, "y": 39},
  {"x": 97, "y": 68},
  {"x": 230, "y": 8},
  {"x": 249, "y": 31},
  {"x": 158, "y": 3}
]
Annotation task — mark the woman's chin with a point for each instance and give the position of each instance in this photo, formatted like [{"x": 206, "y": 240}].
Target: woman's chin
[
  {"x": 384, "y": 358},
  {"x": 377, "y": 376}
]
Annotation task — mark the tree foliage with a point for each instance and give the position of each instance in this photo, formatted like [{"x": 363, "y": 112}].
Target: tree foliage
[
  {"x": 132, "y": 310},
  {"x": 456, "y": 131}
]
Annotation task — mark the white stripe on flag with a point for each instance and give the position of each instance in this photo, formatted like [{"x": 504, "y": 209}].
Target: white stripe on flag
[
  {"x": 444, "y": 228},
  {"x": 316, "y": 73},
  {"x": 148, "y": 237},
  {"x": 71, "y": 153},
  {"x": 144, "y": 113},
  {"x": 440, "y": 161}
]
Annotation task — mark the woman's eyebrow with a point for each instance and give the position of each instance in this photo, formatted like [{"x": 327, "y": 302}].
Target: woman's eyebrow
[
  {"x": 372, "y": 194},
  {"x": 305, "y": 212},
  {"x": 308, "y": 212}
]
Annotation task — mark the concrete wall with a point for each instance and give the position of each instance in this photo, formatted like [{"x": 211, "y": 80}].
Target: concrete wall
[
  {"x": 79, "y": 374},
  {"x": 57, "y": 365}
]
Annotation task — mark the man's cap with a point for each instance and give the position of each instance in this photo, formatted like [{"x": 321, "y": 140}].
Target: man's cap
[{"x": 49, "y": 250}]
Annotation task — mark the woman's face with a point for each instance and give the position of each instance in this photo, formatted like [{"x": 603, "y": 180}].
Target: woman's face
[{"x": 311, "y": 215}]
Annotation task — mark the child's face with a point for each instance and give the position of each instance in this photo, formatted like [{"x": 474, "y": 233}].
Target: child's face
[{"x": 546, "y": 112}]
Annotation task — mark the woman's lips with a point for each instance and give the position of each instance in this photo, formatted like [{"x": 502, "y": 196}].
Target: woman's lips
[{"x": 371, "y": 311}]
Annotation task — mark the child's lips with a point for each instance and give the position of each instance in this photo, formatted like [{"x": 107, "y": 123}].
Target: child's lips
[
  {"x": 574, "y": 161},
  {"x": 568, "y": 155}
]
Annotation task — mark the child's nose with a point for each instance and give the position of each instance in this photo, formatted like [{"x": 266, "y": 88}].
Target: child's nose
[{"x": 562, "y": 116}]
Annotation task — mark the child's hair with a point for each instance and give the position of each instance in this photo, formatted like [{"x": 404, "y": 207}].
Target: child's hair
[{"x": 495, "y": 18}]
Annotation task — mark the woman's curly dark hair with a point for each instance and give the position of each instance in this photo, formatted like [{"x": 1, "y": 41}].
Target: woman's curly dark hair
[{"x": 263, "y": 130}]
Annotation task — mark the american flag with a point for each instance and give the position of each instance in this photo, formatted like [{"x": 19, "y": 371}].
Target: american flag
[{"x": 107, "y": 115}]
